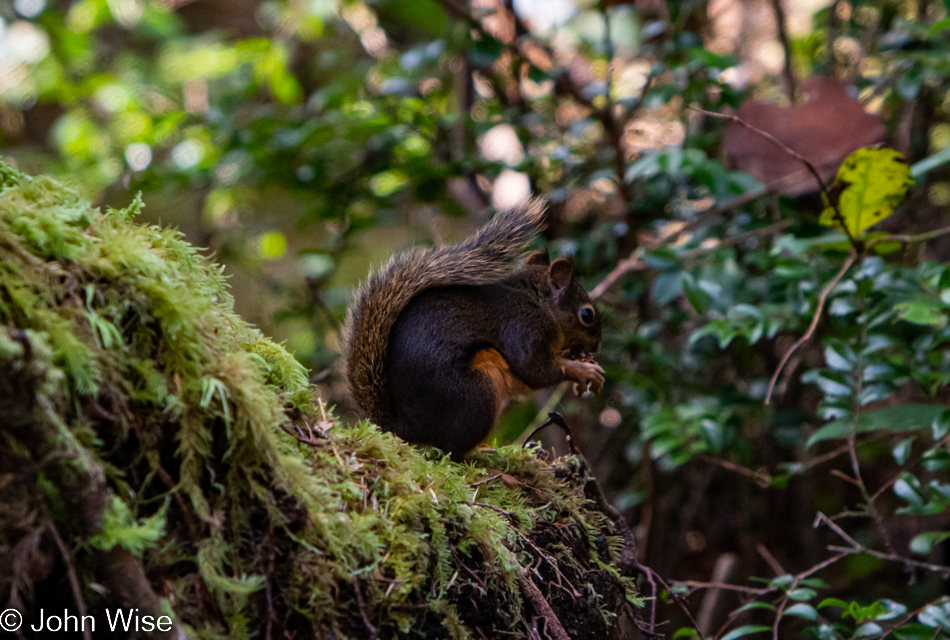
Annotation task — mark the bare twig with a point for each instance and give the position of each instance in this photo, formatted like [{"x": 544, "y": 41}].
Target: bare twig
[
  {"x": 557, "y": 420},
  {"x": 780, "y": 611},
  {"x": 739, "y": 239},
  {"x": 789, "y": 74},
  {"x": 761, "y": 591},
  {"x": 504, "y": 512},
  {"x": 910, "y": 239},
  {"x": 268, "y": 590},
  {"x": 373, "y": 631},
  {"x": 939, "y": 569},
  {"x": 856, "y": 548},
  {"x": 553, "y": 627},
  {"x": 822, "y": 298},
  {"x": 770, "y": 560},
  {"x": 635, "y": 263},
  {"x": 653, "y": 577},
  {"x": 910, "y": 465},
  {"x": 628, "y": 265},
  {"x": 71, "y": 575},
  {"x": 832, "y": 202}
]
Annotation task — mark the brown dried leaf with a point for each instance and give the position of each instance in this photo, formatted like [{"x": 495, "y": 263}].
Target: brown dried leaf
[{"x": 824, "y": 130}]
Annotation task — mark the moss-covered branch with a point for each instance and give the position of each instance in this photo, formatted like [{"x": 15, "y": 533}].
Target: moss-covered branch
[{"x": 157, "y": 452}]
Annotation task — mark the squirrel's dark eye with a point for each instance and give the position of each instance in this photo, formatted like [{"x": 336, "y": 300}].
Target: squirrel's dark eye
[{"x": 587, "y": 315}]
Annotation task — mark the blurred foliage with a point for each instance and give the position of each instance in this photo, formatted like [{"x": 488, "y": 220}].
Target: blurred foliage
[{"x": 303, "y": 141}]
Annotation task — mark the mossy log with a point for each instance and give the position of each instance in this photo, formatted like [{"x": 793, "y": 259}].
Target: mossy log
[{"x": 159, "y": 454}]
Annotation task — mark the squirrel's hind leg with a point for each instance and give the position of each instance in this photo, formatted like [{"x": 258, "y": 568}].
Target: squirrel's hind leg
[{"x": 451, "y": 409}]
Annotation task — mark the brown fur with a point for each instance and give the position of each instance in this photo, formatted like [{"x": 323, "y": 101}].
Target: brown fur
[
  {"x": 486, "y": 258},
  {"x": 490, "y": 363},
  {"x": 438, "y": 341}
]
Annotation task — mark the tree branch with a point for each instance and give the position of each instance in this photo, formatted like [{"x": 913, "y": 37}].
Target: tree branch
[
  {"x": 822, "y": 298},
  {"x": 832, "y": 202}
]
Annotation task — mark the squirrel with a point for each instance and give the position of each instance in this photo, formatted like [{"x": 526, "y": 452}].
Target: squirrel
[{"x": 437, "y": 341}]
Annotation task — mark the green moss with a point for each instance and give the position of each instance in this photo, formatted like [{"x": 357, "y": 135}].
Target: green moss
[{"x": 247, "y": 504}]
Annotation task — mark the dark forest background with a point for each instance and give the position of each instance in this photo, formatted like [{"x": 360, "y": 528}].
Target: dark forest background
[{"x": 779, "y": 488}]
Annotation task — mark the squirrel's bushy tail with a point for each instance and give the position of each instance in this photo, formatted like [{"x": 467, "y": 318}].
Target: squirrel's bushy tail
[{"x": 485, "y": 258}]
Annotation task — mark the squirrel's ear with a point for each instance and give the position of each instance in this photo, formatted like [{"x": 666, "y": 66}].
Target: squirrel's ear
[
  {"x": 538, "y": 257},
  {"x": 560, "y": 275}
]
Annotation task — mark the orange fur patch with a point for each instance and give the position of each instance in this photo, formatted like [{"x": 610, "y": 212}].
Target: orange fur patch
[{"x": 490, "y": 363}]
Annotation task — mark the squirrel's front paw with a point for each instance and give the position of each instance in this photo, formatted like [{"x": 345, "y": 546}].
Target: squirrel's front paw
[{"x": 588, "y": 376}]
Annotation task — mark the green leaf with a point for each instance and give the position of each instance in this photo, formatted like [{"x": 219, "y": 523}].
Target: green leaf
[
  {"x": 802, "y": 610},
  {"x": 120, "y": 528},
  {"x": 907, "y": 488},
  {"x": 754, "y": 605},
  {"x": 940, "y": 426},
  {"x": 894, "y": 419},
  {"x": 936, "y": 460},
  {"x": 833, "y": 602},
  {"x": 868, "y": 629},
  {"x": 871, "y": 184},
  {"x": 936, "y": 615},
  {"x": 802, "y": 594},
  {"x": 914, "y": 632},
  {"x": 902, "y": 450},
  {"x": 922, "y": 312},
  {"x": 272, "y": 245},
  {"x": 928, "y": 164},
  {"x": 815, "y": 583},
  {"x": 925, "y": 542},
  {"x": 745, "y": 630},
  {"x": 667, "y": 286},
  {"x": 839, "y": 356}
]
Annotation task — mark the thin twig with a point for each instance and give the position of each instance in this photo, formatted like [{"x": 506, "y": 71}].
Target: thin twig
[
  {"x": 939, "y": 569},
  {"x": 822, "y": 298},
  {"x": 910, "y": 239},
  {"x": 712, "y": 599},
  {"x": 504, "y": 512},
  {"x": 557, "y": 420},
  {"x": 851, "y": 441},
  {"x": 71, "y": 575},
  {"x": 628, "y": 265},
  {"x": 780, "y": 611},
  {"x": 373, "y": 631},
  {"x": 553, "y": 627},
  {"x": 739, "y": 239},
  {"x": 910, "y": 465},
  {"x": 635, "y": 263},
  {"x": 677, "y": 598},
  {"x": 761, "y": 591},
  {"x": 790, "y": 85},
  {"x": 268, "y": 592},
  {"x": 857, "y": 548},
  {"x": 832, "y": 202}
]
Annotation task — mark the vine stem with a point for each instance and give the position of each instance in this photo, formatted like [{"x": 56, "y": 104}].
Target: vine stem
[
  {"x": 822, "y": 299},
  {"x": 910, "y": 239}
]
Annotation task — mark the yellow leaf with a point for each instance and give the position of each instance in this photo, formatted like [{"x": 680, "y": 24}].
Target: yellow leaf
[
  {"x": 871, "y": 184},
  {"x": 273, "y": 245}
]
